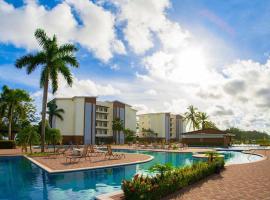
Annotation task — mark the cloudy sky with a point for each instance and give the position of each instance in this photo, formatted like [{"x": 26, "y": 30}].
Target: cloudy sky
[{"x": 157, "y": 55}]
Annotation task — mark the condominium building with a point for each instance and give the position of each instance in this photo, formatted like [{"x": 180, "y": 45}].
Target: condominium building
[
  {"x": 165, "y": 125},
  {"x": 88, "y": 121}
]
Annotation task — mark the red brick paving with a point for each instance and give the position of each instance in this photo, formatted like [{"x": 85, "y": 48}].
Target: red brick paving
[
  {"x": 239, "y": 182},
  {"x": 59, "y": 162}
]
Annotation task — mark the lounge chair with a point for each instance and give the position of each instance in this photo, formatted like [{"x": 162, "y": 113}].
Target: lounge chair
[
  {"x": 83, "y": 154},
  {"x": 93, "y": 152},
  {"x": 109, "y": 154},
  {"x": 59, "y": 151}
]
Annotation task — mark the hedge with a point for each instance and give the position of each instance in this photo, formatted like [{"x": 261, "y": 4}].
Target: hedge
[
  {"x": 7, "y": 144},
  {"x": 152, "y": 188}
]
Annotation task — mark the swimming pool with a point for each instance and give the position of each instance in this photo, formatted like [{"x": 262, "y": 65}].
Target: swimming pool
[{"x": 21, "y": 179}]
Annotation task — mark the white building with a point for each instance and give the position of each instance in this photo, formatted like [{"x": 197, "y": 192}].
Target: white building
[
  {"x": 166, "y": 125},
  {"x": 87, "y": 121}
]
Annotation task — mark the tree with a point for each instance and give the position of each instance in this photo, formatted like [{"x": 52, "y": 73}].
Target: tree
[
  {"x": 53, "y": 136},
  {"x": 149, "y": 133},
  {"x": 28, "y": 136},
  {"x": 53, "y": 60},
  {"x": 129, "y": 135},
  {"x": 210, "y": 124},
  {"x": 13, "y": 100},
  {"x": 161, "y": 168},
  {"x": 191, "y": 117},
  {"x": 54, "y": 111},
  {"x": 117, "y": 125}
]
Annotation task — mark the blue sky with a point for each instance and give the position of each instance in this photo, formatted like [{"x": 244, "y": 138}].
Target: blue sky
[{"x": 158, "y": 56}]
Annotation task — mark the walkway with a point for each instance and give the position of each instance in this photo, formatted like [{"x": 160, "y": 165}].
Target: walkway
[{"x": 245, "y": 182}]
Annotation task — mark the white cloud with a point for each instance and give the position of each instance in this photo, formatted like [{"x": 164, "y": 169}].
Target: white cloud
[
  {"x": 143, "y": 18},
  {"x": 96, "y": 33},
  {"x": 151, "y": 92},
  {"x": 85, "y": 87},
  {"x": 181, "y": 69}
]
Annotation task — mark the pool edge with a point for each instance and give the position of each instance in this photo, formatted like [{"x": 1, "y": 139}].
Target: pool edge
[{"x": 51, "y": 171}]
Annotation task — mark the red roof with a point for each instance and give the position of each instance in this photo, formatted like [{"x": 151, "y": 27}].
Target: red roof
[{"x": 207, "y": 131}]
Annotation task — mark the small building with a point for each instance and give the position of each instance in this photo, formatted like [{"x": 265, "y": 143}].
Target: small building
[
  {"x": 207, "y": 137},
  {"x": 165, "y": 125},
  {"x": 88, "y": 121}
]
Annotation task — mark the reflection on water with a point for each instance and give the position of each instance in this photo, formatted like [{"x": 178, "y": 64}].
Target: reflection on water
[{"x": 20, "y": 179}]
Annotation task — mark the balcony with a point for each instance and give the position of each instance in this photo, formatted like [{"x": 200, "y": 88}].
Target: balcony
[
  {"x": 102, "y": 127},
  {"x": 102, "y": 120}
]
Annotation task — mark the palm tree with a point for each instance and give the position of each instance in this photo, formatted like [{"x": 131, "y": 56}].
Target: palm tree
[
  {"x": 13, "y": 100},
  {"x": 53, "y": 111},
  {"x": 52, "y": 59},
  {"x": 203, "y": 119},
  {"x": 117, "y": 126},
  {"x": 192, "y": 117}
]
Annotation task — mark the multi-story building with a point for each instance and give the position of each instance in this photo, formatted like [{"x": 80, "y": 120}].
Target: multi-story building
[
  {"x": 88, "y": 121},
  {"x": 166, "y": 125}
]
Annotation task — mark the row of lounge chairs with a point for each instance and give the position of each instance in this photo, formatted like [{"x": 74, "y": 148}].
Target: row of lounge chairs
[
  {"x": 178, "y": 146},
  {"x": 72, "y": 154}
]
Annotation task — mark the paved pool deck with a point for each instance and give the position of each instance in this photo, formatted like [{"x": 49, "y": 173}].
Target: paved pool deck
[
  {"x": 59, "y": 164},
  {"x": 245, "y": 181},
  {"x": 237, "y": 182}
]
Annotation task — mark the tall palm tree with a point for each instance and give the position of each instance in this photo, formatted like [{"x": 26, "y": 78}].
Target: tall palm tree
[
  {"x": 54, "y": 111},
  {"x": 191, "y": 117},
  {"x": 12, "y": 100},
  {"x": 203, "y": 119},
  {"x": 117, "y": 126},
  {"x": 52, "y": 59}
]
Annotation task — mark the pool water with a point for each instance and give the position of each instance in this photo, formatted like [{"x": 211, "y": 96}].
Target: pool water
[{"x": 21, "y": 179}]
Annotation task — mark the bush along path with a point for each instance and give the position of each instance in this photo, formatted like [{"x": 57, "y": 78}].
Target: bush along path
[{"x": 169, "y": 181}]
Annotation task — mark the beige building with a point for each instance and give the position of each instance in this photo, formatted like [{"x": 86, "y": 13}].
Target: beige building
[
  {"x": 166, "y": 125},
  {"x": 88, "y": 121}
]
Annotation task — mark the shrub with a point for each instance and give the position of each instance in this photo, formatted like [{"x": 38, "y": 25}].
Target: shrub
[
  {"x": 53, "y": 136},
  {"x": 152, "y": 188},
  {"x": 7, "y": 144},
  {"x": 28, "y": 136}
]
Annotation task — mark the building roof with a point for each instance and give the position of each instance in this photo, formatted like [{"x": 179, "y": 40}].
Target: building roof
[
  {"x": 208, "y": 131},
  {"x": 158, "y": 113}
]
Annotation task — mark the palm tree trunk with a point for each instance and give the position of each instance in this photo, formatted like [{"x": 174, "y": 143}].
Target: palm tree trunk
[
  {"x": 10, "y": 123},
  {"x": 44, "y": 105}
]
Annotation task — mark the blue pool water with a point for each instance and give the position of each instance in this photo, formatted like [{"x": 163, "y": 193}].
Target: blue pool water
[{"x": 21, "y": 179}]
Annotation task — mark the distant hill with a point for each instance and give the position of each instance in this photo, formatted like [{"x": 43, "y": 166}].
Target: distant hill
[{"x": 242, "y": 136}]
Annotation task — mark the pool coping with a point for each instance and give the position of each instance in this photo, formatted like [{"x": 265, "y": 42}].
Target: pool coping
[
  {"x": 53, "y": 171},
  {"x": 109, "y": 196},
  {"x": 257, "y": 154},
  {"x": 164, "y": 150}
]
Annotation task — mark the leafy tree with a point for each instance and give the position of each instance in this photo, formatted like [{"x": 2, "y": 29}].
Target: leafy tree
[
  {"x": 117, "y": 124},
  {"x": 13, "y": 100},
  {"x": 52, "y": 59},
  {"x": 28, "y": 136},
  {"x": 191, "y": 117},
  {"x": 244, "y": 136},
  {"x": 210, "y": 124},
  {"x": 54, "y": 111},
  {"x": 149, "y": 133},
  {"x": 129, "y": 135},
  {"x": 53, "y": 136}
]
